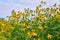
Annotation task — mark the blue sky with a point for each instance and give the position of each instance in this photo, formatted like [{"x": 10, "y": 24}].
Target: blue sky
[{"x": 6, "y": 6}]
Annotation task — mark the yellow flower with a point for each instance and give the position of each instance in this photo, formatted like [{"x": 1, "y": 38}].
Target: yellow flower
[
  {"x": 40, "y": 27},
  {"x": 23, "y": 24},
  {"x": 20, "y": 14},
  {"x": 57, "y": 16},
  {"x": 34, "y": 33},
  {"x": 35, "y": 39},
  {"x": 29, "y": 34},
  {"x": 3, "y": 30},
  {"x": 2, "y": 38},
  {"x": 34, "y": 20},
  {"x": 3, "y": 25},
  {"x": 37, "y": 10},
  {"x": 58, "y": 13},
  {"x": 23, "y": 29},
  {"x": 53, "y": 11},
  {"x": 41, "y": 16},
  {"x": 39, "y": 39},
  {"x": 12, "y": 27},
  {"x": 49, "y": 36},
  {"x": 9, "y": 33},
  {"x": 9, "y": 26}
]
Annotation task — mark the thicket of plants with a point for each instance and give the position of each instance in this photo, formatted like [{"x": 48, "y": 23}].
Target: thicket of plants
[{"x": 38, "y": 24}]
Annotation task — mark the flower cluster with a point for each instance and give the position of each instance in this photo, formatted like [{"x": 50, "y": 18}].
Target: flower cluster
[{"x": 38, "y": 24}]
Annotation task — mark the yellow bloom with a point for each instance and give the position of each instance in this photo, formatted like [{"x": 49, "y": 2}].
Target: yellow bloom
[
  {"x": 41, "y": 16},
  {"x": 34, "y": 20},
  {"x": 53, "y": 11},
  {"x": 35, "y": 39},
  {"x": 12, "y": 27},
  {"x": 9, "y": 26},
  {"x": 2, "y": 38},
  {"x": 29, "y": 34},
  {"x": 23, "y": 24},
  {"x": 34, "y": 33},
  {"x": 9, "y": 33},
  {"x": 57, "y": 16},
  {"x": 40, "y": 27},
  {"x": 20, "y": 14},
  {"x": 39, "y": 39},
  {"x": 3, "y": 25},
  {"x": 23, "y": 29},
  {"x": 37, "y": 10},
  {"x": 49, "y": 36},
  {"x": 58, "y": 13},
  {"x": 3, "y": 30}
]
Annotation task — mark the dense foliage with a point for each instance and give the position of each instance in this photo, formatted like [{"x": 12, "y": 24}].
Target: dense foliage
[{"x": 38, "y": 24}]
